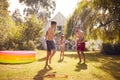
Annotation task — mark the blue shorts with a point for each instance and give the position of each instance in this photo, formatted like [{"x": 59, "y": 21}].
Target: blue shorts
[{"x": 50, "y": 45}]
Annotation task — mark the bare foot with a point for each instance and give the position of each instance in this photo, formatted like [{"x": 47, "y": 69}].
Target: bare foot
[
  {"x": 63, "y": 58},
  {"x": 49, "y": 67},
  {"x": 45, "y": 67},
  {"x": 84, "y": 61}
]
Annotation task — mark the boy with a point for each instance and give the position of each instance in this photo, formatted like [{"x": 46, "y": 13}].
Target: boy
[
  {"x": 50, "y": 43},
  {"x": 80, "y": 43}
]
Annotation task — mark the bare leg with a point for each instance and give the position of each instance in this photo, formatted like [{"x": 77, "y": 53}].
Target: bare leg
[
  {"x": 52, "y": 54},
  {"x": 79, "y": 56},
  {"x": 63, "y": 54},
  {"x": 60, "y": 54},
  {"x": 47, "y": 58},
  {"x": 84, "y": 58}
]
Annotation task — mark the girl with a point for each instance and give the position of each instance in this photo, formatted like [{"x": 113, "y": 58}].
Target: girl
[{"x": 62, "y": 47}]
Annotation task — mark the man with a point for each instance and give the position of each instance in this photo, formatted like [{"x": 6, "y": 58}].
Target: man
[
  {"x": 80, "y": 43},
  {"x": 50, "y": 43}
]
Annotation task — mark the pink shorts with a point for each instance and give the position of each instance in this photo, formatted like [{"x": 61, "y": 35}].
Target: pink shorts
[{"x": 81, "y": 46}]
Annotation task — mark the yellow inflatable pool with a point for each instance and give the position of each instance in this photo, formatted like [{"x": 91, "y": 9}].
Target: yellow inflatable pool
[{"x": 17, "y": 56}]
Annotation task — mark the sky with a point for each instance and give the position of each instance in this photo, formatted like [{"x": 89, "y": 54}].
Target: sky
[
  {"x": 14, "y": 4},
  {"x": 66, "y": 7}
]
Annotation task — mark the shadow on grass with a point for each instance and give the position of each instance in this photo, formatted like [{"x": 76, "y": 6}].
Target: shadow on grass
[
  {"x": 80, "y": 67},
  {"x": 95, "y": 56},
  {"x": 112, "y": 68},
  {"x": 60, "y": 60},
  {"x": 42, "y": 59},
  {"x": 16, "y": 63},
  {"x": 41, "y": 74},
  {"x": 110, "y": 63}
]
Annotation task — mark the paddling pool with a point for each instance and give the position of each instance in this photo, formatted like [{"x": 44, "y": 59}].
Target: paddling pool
[{"x": 17, "y": 56}]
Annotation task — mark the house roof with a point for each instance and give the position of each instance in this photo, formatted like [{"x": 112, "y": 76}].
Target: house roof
[{"x": 60, "y": 19}]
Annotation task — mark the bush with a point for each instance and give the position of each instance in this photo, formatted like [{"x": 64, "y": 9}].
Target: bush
[
  {"x": 109, "y": 48},
  {"x": 28, "y": 45},
  {"x": 8, "y": 45},
  {"x": 18, "y": 45},
  {"x": 117, "y": 48},
  {"x": 21, "y": 36}
]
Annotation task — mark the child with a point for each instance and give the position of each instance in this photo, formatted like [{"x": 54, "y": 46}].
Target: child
[{"x": 62, "y": 47}]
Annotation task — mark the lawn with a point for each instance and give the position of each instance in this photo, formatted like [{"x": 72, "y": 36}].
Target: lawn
[{"x": 97, "y": 67}]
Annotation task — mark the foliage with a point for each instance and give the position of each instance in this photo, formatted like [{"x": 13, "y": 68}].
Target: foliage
[
  {"x": 17, "y": 16},
  {"x": 43, "y": 8},
  {"x": 108, "y": 48},
  {"x": 33, "y": 29},
  {"x": 29, "y": 45},
  {"x": 3, "y": 16},
  {"x": 99, "y": 19},
  {"x": 16, "y": 34},
  {"x": 8, "y": 29},
  {"x": 88, "y": 16}
]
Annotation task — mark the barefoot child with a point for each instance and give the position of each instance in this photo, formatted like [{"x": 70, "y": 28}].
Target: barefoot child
[
  {"x": 62, "y": 47},
  {"x": 50, "y": 43},
  {"x": 80, "y": 43}
]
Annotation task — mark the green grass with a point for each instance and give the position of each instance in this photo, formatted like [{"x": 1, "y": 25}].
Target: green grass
[{"x": 97, "y": 67}]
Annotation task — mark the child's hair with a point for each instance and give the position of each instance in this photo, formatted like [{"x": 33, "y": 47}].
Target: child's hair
[{"x": 53, "y": 22}]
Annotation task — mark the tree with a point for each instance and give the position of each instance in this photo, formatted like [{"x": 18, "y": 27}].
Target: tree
[
  {"x": 17, "y": 34},
  {"x": 17, "y": 17},
  {"x": 33, "y": 30},
  {"x": 43, "y": 8},
  {"x": 97, "y": 17},
  {"x": 31, "y": 33},
  {"x": 9, "y": 32},
  {"x": 3, "y": 17}
]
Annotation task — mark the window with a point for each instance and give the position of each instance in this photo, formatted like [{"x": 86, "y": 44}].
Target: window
[{"x": 59, "y": 28}]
